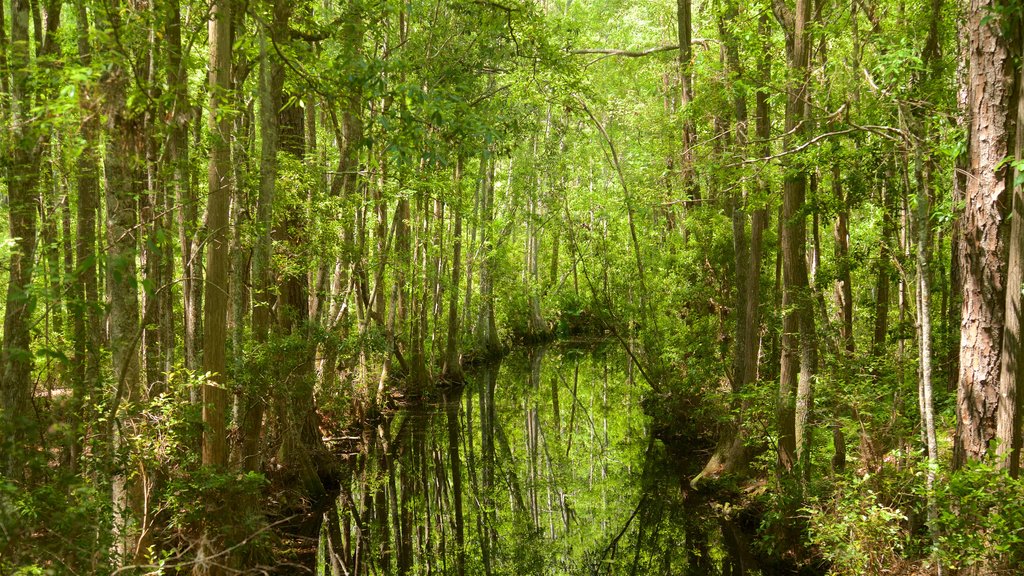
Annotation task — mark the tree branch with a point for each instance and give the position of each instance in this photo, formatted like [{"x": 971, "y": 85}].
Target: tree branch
[{"x": 636, "y": 53}]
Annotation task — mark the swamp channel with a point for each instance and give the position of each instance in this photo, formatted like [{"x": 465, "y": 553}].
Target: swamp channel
[{"x": 543, "y": 463}]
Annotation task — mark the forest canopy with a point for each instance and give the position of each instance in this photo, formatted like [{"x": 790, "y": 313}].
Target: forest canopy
[{"x": 511, "y": 286}]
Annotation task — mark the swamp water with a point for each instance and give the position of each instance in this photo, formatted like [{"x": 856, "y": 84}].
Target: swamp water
[{"x": 542, "y": 464}]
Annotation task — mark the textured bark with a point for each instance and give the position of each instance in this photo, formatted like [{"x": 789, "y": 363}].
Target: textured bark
[{"x": 982, "y": 241}]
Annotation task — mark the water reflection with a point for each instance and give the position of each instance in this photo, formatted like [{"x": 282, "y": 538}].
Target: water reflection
[{"x": 543, "y": 464}]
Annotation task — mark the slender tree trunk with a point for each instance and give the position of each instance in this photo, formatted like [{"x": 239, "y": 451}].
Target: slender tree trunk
[
  {"x": 215, "y": 394},
  {"x": 452, "y": 365},
  {"x": 883, "y": 268},
  {"x": 691, "y": 191},
  {"x": 843, "y": 295},
  {"x": 23, "y": 178},
  {"x": 487, "y": 332},
  {"x": 799, "y": 352},
  {"x": 86, "y": 315},
  {"x": 1011, "y": 385}
]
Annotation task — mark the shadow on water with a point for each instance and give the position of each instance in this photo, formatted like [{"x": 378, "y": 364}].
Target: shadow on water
[{"x": 542, "y": 464}]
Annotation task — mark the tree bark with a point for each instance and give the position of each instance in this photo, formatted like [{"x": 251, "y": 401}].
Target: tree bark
[
  {"x": 982, "y": 242},
  {"x": 215, "y": 314}
]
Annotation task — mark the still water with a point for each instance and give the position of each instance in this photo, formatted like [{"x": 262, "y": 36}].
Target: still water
[{"x": 542, "y": 464}]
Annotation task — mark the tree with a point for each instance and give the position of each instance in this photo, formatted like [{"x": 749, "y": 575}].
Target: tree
[
  {"x": 799, "y": 344},
  {"x": 22, "y": 179},
  {"x": 982, "y": 243},
  {"x": 215, "y": 396}
]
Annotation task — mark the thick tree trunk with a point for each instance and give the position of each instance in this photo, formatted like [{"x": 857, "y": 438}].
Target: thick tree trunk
[{"x": 982, "y": 242}]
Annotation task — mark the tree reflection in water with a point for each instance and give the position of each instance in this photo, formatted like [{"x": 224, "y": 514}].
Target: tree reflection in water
[{"x": 531, "y": 468}]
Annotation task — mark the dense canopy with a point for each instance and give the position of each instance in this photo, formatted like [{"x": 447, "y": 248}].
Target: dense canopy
[{"x": 511, "y": 286}]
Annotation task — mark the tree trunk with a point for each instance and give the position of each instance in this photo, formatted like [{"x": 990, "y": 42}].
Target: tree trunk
[
  {"x": 124, "y": 165},
  {"x": 730, "y": 453},
  {"x": 87, "y": 321},
  {"x": 982, "y": 243},
  {"x": 1011, "y": 384},
  {"x": 799, "y": 352},
  {"x": 691, "y": 191},
  {"x": 487, "y": 332},
  {"x": 215, "y": 314},
  {"x": 23, "y": 178},
  {"x": 452, "y": 369}
]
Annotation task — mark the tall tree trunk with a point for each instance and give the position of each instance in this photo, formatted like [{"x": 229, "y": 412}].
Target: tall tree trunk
[
  {"x": 215, "y": 395},
  {"x": 487, "y": 332},
  {"x": 883, "y": 266},
  {"x": 87, "y": 321},
  {"x": 691, "y": 191},
  {"x": 452, "y": 369},
  {"x": 271, "y": 83},
  {"x": 124, "y": 165},
  {"x": 1011, "y": 385},
  {"x": 23, "y": 179},
  {"x": 730, "y": 453},
  {"x": 799, "y": 352},
  {"x": 843, "y": 295},
  {"x": 924, "y": 337},
  {"x": 982, "y": 243}
]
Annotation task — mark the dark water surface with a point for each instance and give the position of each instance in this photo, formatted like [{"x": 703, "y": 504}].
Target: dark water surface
[{"x": 542, "y": 464}]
